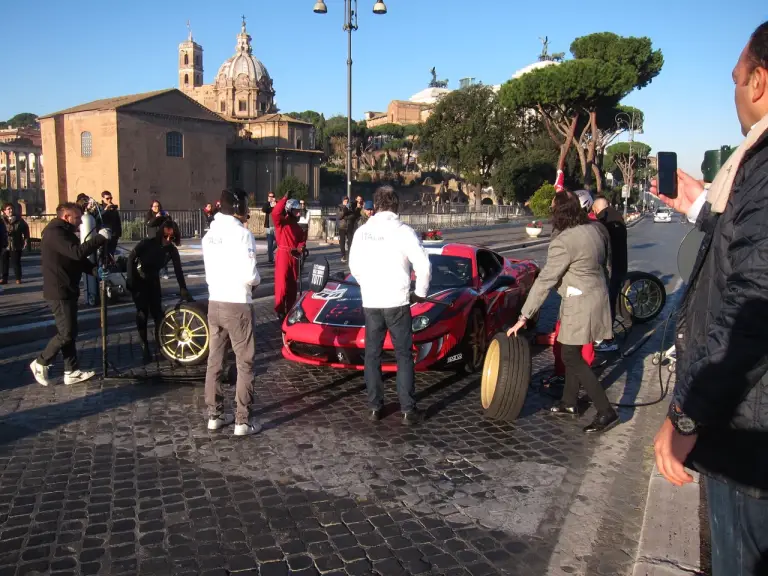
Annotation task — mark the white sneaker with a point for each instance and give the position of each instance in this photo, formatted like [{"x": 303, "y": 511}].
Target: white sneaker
[
  {"x": 40, "y": 373},
  {"x": 165, "y": 276},
  {"x": 78, "y": 376},
  {"x": 252, "y": 427},
  {"x": 220, "y": 421}
]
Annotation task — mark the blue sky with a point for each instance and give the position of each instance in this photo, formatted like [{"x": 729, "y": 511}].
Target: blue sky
[{"x": 66, "y": 53}]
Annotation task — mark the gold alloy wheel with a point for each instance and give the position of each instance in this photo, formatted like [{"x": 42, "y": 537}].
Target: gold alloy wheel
[
  {"x": 490, "y": 374},
  {"x": 644, "y": 298},
  {"x": 184, "y": 335}
]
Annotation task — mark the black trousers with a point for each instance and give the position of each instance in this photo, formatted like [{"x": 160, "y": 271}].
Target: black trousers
[
  {"x": 8, "y": 258},
  {"x": 147, "y": 296},
  {"x": 578, "y": 373},
  {"x": 398, "y": 322},
  {"x": 345, "y": 239},
  {"x": 614, "y": 289},
  {"x": 65, "y": 316}
]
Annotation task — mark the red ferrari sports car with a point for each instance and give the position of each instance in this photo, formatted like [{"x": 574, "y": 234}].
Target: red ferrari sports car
[{"x": 480, "y": 293}]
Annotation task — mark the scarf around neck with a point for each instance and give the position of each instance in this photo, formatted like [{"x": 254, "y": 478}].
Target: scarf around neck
[{"x": 720, "y": 190}]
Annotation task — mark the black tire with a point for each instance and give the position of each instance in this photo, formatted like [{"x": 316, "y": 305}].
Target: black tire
[
  {"x": 642, "y": 297},
  {"x": 183, "y": 335},
  {"x": 506, "y": 377},
  {"x": 473, "y": 343}
]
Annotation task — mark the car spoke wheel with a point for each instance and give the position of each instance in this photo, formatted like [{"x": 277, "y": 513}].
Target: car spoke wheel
[
  {"x": 643, "y": 296},
  {"x": 184, "y": 335}
]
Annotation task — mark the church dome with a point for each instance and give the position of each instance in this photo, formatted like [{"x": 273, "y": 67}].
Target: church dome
[{"x": 243, "y": 66}]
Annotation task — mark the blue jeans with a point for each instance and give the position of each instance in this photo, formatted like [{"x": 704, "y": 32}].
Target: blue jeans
[
  {"x": 398, "y": 322},
  {"x": 271, "y": 244},
  {"x": 739, "y": 531}
]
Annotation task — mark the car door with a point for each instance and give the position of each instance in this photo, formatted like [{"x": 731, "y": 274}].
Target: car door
[{"x": 498, "y": 290}]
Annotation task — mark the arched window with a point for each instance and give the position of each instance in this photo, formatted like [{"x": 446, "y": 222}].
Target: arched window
[
  {"x": 86, "y": 144},
  {"x": 186, "y": 59},
  {"x": 242, "y": 106},
  {"x": 186, "y": 79},
  {"x": 174, "y": 144}
]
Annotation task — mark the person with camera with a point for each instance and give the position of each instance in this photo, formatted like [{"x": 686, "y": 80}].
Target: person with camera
[
  {"x": 345, "y": 234},
  {"x": 229, "y": 256},
  {"x": 291, "y": 249},
  {"x": 18, "y": 237},
  {"x": 717, "y": 422},
  {"x": 381, "y": 259},
  {"x": 64, "y": 259},
  {"x": 145, "y": 262},
  {"x": 269, "y": 227}
]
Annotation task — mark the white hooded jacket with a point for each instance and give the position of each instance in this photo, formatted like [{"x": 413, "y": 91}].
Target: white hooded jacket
[
  {"x": 383, "y": 252},
  {"x": 229, "y": 255}
]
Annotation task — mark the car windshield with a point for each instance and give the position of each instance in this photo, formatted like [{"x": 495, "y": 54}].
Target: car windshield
[
  {"x": 450, "y": 271},
  {"x": 662, "y": 211}
]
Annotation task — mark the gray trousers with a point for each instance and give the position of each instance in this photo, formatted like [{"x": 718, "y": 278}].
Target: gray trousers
[{"x": 233, "y": 323}]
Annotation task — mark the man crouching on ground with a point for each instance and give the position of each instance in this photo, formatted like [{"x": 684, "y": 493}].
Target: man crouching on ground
[
  {"x": 229, "y": 255},
  {"x": 383, "y": 252}
]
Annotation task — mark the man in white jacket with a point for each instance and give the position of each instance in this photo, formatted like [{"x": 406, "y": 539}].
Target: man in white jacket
[
  {"x": 383, "y": 253},
  {"x": 229, "y": 254}
]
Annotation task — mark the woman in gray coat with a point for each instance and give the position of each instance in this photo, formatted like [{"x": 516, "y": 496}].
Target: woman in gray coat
[{"x": 577, "y": 265}]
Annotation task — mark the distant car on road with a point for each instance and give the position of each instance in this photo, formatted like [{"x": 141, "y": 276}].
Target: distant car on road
[{"x": 662, "y": 215}]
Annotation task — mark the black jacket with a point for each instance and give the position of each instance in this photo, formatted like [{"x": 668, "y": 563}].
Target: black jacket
[
  {"x": 617, "y": 231},
  {"x": 18, "y": 232},
  {"x": 110, "y": 218},
  {"x": 147, "y": 259},
  {"x": 267, "y": 209},
  {"x": 344, "y": 215},
  {"x": 64, "y": 260},
  {"x": 154, "y": 221},
  {"x": 3, "y": 235},
  {"x": 722, "y": 334}
]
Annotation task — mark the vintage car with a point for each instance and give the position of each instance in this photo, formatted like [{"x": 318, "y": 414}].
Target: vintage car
[{"x": 479, "y": 292}]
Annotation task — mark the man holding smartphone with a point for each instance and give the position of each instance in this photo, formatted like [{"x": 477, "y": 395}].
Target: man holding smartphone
[
  {"x": 269, "y": 227},
  {"x": 718, "y": 419}
]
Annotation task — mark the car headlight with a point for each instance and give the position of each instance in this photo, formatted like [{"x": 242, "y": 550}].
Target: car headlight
[
  {"x": 297, "y": 315},
  {"x": 419, "y": 323}
]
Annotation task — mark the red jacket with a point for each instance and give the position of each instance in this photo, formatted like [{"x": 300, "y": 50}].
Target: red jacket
[{"x": 288, "y": 234}]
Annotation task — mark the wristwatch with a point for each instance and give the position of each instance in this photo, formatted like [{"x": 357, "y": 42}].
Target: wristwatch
[{"x": 684, "y": 425}]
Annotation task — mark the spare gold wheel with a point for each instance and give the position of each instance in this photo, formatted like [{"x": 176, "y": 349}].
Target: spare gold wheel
[
  {"x": 506, "y": 376},
  {"x": 184, "y": 335}
]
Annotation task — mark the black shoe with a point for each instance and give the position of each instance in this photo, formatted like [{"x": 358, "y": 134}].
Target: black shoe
[
  {"x": 375, "y": 415},
  {"x": 146, "y": 354},
  {"x": 602, "y": 423},
  {"x": 412, "y": 417},
  {"x": 563, "y": 408}
]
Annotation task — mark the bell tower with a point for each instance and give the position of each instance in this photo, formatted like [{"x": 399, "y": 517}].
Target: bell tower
[{"x": 190, "y": 63}]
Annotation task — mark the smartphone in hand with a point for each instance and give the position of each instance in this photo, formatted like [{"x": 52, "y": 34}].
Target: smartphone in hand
[{"x": 666, "y": 179}]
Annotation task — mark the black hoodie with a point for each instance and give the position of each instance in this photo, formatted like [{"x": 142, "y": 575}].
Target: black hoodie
[{"x": 64, "y": 260}]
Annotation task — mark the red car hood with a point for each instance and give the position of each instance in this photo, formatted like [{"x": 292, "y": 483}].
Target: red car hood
[{"x": 342, "y": 305}]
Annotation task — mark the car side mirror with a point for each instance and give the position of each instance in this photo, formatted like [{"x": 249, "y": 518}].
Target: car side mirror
[{"x": 504, "y": 282}]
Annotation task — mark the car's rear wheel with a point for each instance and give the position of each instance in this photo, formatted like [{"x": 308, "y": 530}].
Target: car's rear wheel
[
  {"x": 473, "y": 343},
  {"x": 183, "y": 335},
  {"x": 642, "y": 297},
  {"x": 506, "y": 377}
]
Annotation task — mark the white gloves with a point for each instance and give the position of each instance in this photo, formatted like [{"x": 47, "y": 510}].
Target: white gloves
[{"x": 106, "y": 232}]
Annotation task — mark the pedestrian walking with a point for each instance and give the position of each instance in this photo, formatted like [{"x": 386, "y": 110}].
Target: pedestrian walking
[
  {"x": 345, "y": 234},
  {"x": 110, "y": 218},
  {"x": 577, "y": 264},
  {"x": 145, "y": 262},
  {"x": 717, "y": 421},
  {"x": 63, "y": 261},
  {"x": 383, "y": 255},
  {"x": 269, "y": 227},
  {"x": 291, "y": 244},
  {"x": 229, "y": 256},
  {"x": 17, "y": 233}
]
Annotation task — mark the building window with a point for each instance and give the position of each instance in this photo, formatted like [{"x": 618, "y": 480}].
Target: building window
[
  {"x": 186, "y": 79},
  {"x": 186, "y": 60},
  {"x": 223, "y": 106},
  {"x": 298, "y": 144},
  {"x": 241, "y": 105},
  {"x": 263, "y": 106},
  {"x": 86, "y": 144},
  {"x": 174, "y": 145}
]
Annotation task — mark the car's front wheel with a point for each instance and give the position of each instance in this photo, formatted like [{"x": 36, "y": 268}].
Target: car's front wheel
[{"x": 473, "y": 344}]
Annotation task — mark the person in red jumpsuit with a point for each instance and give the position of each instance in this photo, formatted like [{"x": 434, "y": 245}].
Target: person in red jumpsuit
[{"x": 291, "y": 242}]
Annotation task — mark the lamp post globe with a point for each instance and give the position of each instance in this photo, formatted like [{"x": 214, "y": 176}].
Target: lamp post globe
[
  {"x": 320, "y": 7},
  {"x": 379, "y": 8}
]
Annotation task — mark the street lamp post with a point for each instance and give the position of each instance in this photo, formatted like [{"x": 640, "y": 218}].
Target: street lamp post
[
  {"x": 624, "y": 118},
  {"x": 350, "y": 24}
]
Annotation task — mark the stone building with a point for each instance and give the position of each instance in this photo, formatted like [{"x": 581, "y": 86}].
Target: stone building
[
  {"x": 181, "y": 146},
  {"x": 157, "y": 145},
  {"x": 412, "y": 111}
]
